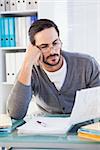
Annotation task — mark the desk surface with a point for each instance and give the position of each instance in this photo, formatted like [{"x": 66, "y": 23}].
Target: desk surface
[
  {"x": 37, "y": 141},
  {"x": 45, "y": 142}
]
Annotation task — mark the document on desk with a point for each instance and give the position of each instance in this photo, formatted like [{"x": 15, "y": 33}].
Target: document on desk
[
  {"x": 86, "y": 107},
  {"x": 45, "y": 125}
]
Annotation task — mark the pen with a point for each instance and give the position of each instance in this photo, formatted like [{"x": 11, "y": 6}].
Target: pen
[{"x": 41, "y": 123}]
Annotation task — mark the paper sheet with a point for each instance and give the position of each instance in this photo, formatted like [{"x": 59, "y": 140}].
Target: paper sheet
[
  {"x": 87, "y": 105},
  {"x": 45, "y": 125}
]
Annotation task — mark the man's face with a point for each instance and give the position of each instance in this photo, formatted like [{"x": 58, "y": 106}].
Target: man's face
[{"x": 50, "y": 45}]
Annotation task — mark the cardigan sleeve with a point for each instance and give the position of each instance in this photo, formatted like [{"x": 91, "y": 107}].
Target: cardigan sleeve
[
  {"x": 93, "y": 73},
  {"x": 18, "y": 100}
]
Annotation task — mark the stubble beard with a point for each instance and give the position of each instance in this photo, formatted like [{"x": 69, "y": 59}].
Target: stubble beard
[{"x": 49, "y": 64}]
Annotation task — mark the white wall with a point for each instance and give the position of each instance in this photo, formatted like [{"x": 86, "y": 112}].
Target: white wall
[
  {"x": 55, "y": 10},
  {"x": 84, "y": 26}
]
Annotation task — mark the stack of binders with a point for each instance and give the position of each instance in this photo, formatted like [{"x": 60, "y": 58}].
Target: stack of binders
[
  {"x": 19, "y": 5},
  {"x": 14, "y": 30},
  {"x": 7, "y": 34},
  {"x": 7, "y": 125},
  {"x": 91, "y": 132}
]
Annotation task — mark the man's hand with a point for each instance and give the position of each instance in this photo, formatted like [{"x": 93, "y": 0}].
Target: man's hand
[{"x": 32, "y": 57}]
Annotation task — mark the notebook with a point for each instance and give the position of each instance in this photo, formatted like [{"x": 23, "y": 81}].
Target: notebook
[
  {"x": 86, "y": 110},
  {"x": 93, "y": 128},
  {"x": 91, "y": 132}
]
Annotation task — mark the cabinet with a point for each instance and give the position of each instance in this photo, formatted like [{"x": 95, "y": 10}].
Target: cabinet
[{"x": 14, "y": 25}]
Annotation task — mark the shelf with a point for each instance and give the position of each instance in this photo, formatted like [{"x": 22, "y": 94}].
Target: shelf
[
  {"x": 7, "y": 83},
  {"x": 12, "y": 48},
  {"x": 19, "y": 13}
]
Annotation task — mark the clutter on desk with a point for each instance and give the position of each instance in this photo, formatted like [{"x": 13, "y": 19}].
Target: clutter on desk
[{"x": 91, "y": 132}]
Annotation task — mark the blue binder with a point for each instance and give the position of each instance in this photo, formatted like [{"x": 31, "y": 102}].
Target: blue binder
[
  {"x": 12, "y": 31},
  {"x": 2, "y": 32},
  {"x": 6, "y": 34},
  {"x": 33, "y": 18}
]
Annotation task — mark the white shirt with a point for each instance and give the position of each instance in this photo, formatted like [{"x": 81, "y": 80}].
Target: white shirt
[{"x": 58, "y": 76}]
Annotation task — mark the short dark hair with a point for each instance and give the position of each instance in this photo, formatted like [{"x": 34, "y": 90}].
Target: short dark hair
[{"x": 40, "y": 25}]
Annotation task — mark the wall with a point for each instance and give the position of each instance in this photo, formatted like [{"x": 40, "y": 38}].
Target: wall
[
  {"x": 84, "y": 26},
  {"x": 55, "y": 10}
]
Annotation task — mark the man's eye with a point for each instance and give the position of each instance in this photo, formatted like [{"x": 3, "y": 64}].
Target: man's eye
[
  {"x": 45, "y": 46},
  {"x": 55, "y": 43}
]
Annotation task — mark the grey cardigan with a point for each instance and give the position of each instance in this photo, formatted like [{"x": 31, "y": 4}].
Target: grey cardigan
[{"x": 82, "y": 72}]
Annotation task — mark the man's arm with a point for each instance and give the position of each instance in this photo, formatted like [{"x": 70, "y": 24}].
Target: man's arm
[
  {"x": 21, "y": 92},
  {"x": 93, "y": 73},
  {"x": 31, "y": 58}
]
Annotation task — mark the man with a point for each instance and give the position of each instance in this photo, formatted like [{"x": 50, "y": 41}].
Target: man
[{"x": 53, "y": 76}]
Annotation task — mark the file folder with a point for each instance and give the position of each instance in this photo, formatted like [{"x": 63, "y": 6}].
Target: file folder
[
  {"x": 31, "y": 4},
  {"x": 6, "y": 34},
  {"x": 2, "y": 33},
  {"x": 29, "y": 21},
  {"x": 10, "y": 67},
  {"x": 23, "y": 4},
  {"x": 19, "y": 60},
  {"x": 7, "y": 5},
  {"x": 19, "y": 4},
  {"x": 21, "y": 36},
  {"x": 35, "y": 4},
  {"x": 12, "y": 31},
  {"x": 2, "y": 5},
  {"x": 13, "y": 5},
  {"x": 28, "y": 24},
  {"x": 33, "y": 18}
]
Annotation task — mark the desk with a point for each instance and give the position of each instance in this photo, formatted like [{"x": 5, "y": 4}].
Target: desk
[
  {"x": 37, "y": 142},
  {"x": 47, "y": 142}
]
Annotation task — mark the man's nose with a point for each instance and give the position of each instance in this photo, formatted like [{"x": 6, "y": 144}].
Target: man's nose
[{"x": 52, "y": 49}]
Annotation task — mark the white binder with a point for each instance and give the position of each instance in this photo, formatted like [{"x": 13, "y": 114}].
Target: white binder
[
  {"x": 13, "y": 5},
  {"x": 28, "y": 23},
  {"x": 21, "y": 5},
  {"x": 35, "y": 4},
  {"x": 10, "y": 67},
  {"x": 21, "y": 34},
  {"x": 7, "y": 5},
  {"x": 6, "y": 33},
  {"x": 2, "y": 5},
  {"x": 13, "y": 67},
  {"x": 19, "y": 60},
  {"x": 31, "y": 4}
]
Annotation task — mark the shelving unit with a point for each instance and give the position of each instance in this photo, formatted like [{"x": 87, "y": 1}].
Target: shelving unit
[
  {"x": 46, "y": 9},
  {"x": 5, "y": 86},
  {"x": 19, "y": 13}
]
